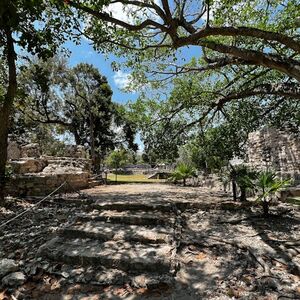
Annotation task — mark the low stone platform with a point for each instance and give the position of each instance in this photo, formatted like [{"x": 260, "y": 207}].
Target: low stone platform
[
  {"x": 128, "y": 217},
  {"x": 109, "y": 231},
  {"x": 114, "y": 254}
]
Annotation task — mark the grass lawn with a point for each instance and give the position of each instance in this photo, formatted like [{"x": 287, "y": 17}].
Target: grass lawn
[{"x": 133, "y": 178}]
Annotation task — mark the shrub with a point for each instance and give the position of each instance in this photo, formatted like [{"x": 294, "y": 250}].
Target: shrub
[
  {"x": 182, "y": 172},
  {"x": 267, "y": 185}
]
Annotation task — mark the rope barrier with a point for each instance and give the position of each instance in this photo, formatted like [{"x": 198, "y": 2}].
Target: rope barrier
[{"x": 30, "y": 208}]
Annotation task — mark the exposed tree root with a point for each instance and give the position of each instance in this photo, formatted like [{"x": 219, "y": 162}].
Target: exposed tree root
[{"x": 238, "y": 245}]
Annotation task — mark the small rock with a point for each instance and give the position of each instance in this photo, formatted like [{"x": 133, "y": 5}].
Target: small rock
[
  {"x": 139, "y": 281},
  {"x": 65, "y": 274},
  {"x": 14, "y": 279},
  {"x": 268, "y": 283},
  {"x": 7, "y": 266}
]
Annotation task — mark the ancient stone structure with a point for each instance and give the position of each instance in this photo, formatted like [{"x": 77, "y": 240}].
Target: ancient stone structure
[
  {"x": 119, "y": 242},
  {"x": 35, "y": 175},
  {"x": 13, "y": 150},
  {"x": 276, "y": 150}
]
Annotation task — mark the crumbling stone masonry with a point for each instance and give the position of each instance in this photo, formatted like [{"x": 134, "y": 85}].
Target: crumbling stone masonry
[
  {"x": 33, "y": 174},
  {"x": 276, "y": 150}
]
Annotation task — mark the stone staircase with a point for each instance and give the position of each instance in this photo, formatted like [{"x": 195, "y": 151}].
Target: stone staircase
[{"x": 132, "y": 238}]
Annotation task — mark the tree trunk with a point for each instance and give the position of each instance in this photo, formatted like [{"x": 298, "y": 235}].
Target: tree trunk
[
  {"x": 116, "y": 174},
  {"x": 92, "y": 138},
  {"x": 265, "y": 205},
  {"x": 243, "y": 195},
  {"x": 6, "y": 109},
  {"x": 78, "y": 141},
  {"x": 234, "y": 191},
  {"x": 97, "y": 163},
  {"x": 184, "y": 181}
]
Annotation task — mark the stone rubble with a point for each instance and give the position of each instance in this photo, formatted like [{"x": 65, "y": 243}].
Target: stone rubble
[{"x": 34, "y": 174}]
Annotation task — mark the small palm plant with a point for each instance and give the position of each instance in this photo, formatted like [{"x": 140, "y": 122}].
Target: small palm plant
[
  {"x": 183, "y": 172},
  {"x": 244, "y": 179},
  {"x": 267, "y": 185}
]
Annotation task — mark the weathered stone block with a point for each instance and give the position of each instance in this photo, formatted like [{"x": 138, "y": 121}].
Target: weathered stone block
[
  {"x": 28, "y": 165},
  {"x": 31, "y": 150},
  {"x": 7, "y": 266},
  {"x": 13, "y": 151},
  {"x": 14, "y": 279}
]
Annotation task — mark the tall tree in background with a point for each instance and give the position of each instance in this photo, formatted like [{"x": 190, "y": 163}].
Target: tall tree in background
[
  {"x": 77, "y": 100},
  {"x": 117, "y": 159},
  {"x": 18, "y": 28}
]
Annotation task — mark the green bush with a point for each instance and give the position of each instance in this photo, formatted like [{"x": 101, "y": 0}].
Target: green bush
[
  {"x": 182, "y": 172},
  {"x": 267, "y": 185}
]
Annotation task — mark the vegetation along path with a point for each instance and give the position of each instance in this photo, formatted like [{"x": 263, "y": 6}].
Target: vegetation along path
[{"x": 158, "y": 241}]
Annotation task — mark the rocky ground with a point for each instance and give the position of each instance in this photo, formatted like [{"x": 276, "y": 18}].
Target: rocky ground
[{"x": 148, "y": 241}]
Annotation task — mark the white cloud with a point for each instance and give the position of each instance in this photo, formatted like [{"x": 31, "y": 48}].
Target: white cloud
[
  {"x": 125, "y": 12},
  {"x": 122, "y": 79}
]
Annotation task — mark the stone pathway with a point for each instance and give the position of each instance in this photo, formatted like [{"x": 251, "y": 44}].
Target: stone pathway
[
  {"x": 133, "y": 237},
  {"x": 125, "y": 230}
]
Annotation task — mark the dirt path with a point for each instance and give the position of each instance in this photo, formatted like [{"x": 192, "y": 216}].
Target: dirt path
[{"x": 154, "y": 241}]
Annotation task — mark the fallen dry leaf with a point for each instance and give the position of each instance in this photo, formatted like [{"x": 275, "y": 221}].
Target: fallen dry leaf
[{"x": 201, "y": 256}]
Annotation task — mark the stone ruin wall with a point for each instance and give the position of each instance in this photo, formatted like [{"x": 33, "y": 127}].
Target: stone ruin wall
[
  {"x": 34, "y": 174},
  {"x": 276, "y": 150}
]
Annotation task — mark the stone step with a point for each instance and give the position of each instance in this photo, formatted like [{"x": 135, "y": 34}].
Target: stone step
[
  {"x": 130, "y": 205},
  {"x": 133, "y": 258},
  {"x": 109, "y": 231},
  {"x": 152, "y": 218},
  {"x": 107, "y": 276}
]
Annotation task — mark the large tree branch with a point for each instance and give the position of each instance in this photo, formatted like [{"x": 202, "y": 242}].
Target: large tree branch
[
  {"x": 107, "y": 18},
  {"x": 288, "y": 66},
  {"x": 197, "y": 36},
  {"x": 286, "y": 90},
  {"x": 242, "y": 31}
]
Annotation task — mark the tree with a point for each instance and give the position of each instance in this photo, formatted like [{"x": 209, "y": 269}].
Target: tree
[
  {"x": 267, "y": 186},
  {"x": 230, "y": 33},
  {"x": 248, "y": 55},
  {"x": 18, "y": 28},
  {"x": 76, "y": 100},
  {"x": 183, "y": 172},
  {"x": 117, "y": 159},
  {"x": 244, "y": 177}
]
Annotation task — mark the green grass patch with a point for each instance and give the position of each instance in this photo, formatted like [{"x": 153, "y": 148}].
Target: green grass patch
[{"x": 135, "y": 178}]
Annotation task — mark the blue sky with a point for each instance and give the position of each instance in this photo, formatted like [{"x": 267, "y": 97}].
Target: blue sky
[{"x": 85, "y": 53}]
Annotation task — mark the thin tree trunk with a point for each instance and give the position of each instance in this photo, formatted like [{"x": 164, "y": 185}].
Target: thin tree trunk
[
  {"x": 265, "y": 205},
  {"x": 243, "y": 195},
  {"x": 234, "y": 190},
  {"x": 6, "y": 109},
  {"x": 98, "y": 160},
  {"x": 92, "y": 138},
  {"x": 76, "y": 136}
]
